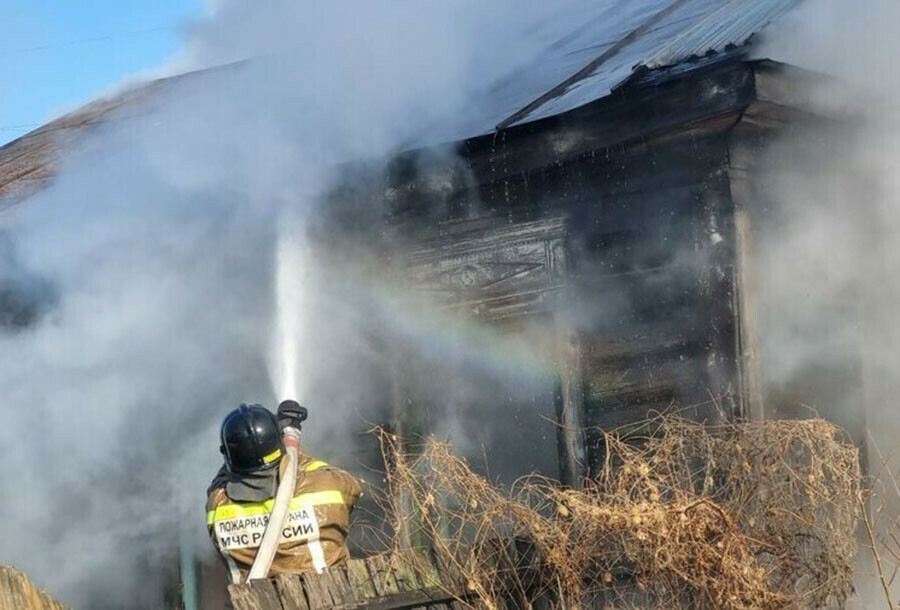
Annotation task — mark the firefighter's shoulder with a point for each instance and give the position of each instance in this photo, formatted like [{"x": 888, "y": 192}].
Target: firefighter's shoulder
[
  {"x": 217, "y": 497},
  {"x": 347, "y": 483},
  {"x": 312, "y": 464}
]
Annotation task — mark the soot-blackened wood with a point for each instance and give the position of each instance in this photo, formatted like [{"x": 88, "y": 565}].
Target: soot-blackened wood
[
  {"x": 827, "y": 383},
  {"x": 408, "y": 600},
  {"x": 641, "y": 272},
  {"x": 715, "y": 246},
  {"x": 673, "y": 337},
  {"x": 588, "y": 187},
  {"x": 747, "y": 143},
  {"x": 659, "y": 382},
  {"x": 499, "y": 272},
  {"x": 638, "y": 184},
  {"x": 633, "y": 112}
]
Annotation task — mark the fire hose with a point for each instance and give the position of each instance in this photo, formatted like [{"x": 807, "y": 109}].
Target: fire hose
[
  {"x": 269, "y": 544},
  {"x": 290, "y": 416}
]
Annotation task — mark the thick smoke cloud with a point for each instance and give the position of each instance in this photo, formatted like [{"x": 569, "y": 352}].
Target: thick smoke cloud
[
  {"x": 155, "y": 249},
  {"x": 827, "y": 257},
  {"x": 147, "y": 271},
  {"x": 826, "y": 254}
]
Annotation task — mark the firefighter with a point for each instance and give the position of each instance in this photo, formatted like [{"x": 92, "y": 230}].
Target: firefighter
[{"x": 314, "y": 533}]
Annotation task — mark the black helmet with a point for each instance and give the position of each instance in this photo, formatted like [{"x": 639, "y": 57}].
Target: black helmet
[{"x": 251, "y": 440}]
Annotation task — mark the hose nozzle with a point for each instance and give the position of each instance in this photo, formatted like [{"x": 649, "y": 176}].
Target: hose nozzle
[{"x": 291, "y": 414}]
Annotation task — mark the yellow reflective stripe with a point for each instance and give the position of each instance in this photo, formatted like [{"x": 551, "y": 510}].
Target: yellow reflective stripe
[
  {"x": 233, "y": 511},
  {"x": 315, "y": 465},
  {"x": 317, "y": 498},
  {"x": 272, "y": 457}
]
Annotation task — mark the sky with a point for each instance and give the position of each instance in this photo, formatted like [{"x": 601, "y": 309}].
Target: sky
[{"x": 58, "y": 54}]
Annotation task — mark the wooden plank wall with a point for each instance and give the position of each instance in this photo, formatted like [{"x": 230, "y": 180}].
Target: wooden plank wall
[
  {"x": 649, "y": 303},
  {"x": 650, "y": 276},
  {"x": 647, "y": 229},
  {"x": 652, "y": 236}
]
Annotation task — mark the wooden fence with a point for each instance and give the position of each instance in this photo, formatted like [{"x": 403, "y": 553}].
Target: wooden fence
[{"x": 383, "y": 582}]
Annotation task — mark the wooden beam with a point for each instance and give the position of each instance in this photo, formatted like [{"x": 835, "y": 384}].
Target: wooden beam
[
  {"x": 748, "y": 330},
  {"x": 632, "y": 113},
  {"x": 569, "y": 401},
  {"x": 744, "y": 148},
  {"x": 802, "y": 91},
  {"x": 715, "y": 245}
]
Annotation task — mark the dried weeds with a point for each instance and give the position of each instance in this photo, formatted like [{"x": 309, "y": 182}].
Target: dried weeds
[{"x": 750, "y": 516}]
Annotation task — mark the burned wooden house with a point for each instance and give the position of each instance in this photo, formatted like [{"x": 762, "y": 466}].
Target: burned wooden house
[
  {"x": 611, "y": 196},
  {"x": 606, "y": 192}
]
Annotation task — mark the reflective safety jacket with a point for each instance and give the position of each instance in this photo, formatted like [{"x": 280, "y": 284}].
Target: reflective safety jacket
[{"x": 314, "y": 534}]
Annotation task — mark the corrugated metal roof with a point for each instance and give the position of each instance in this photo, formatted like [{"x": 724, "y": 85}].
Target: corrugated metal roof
[
  {"x": 601, "y": 45},
  {"x": 729, "y": 25}
]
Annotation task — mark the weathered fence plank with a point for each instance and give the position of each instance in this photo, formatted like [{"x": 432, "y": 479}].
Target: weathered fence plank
[
  {"x": 317, "y": 592},
  {"x": 409, "y": 581},
  {"x": 290, "y": 588},
  {"x": 380, "y": 571},
  {"x": 360, "y": 581},
  {"x": 255, "y": 595}
]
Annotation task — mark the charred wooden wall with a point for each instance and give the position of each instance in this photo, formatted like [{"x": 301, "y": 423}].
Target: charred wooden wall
[{"x": 613, "y": 227}]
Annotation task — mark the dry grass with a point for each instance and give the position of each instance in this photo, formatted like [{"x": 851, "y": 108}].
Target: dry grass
[
  {"x": 754, "y": 515},
  {"x": 881, "y": 517}
]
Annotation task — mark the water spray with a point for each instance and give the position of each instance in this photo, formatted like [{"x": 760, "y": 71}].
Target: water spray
[
  {"x": 290, "y": 275},
  {"x": 291, "y": 271}
]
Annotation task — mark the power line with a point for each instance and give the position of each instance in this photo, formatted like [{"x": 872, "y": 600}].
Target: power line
[
  {"x": 67, "y": 43},
  {"x": 22, "y": 127}
]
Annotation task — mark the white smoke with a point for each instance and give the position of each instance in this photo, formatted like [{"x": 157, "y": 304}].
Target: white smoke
[
  {"x": 827, "y": 260},
  {"x": 154, "y": 258},
  {"x": 158, "y": 238}
]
